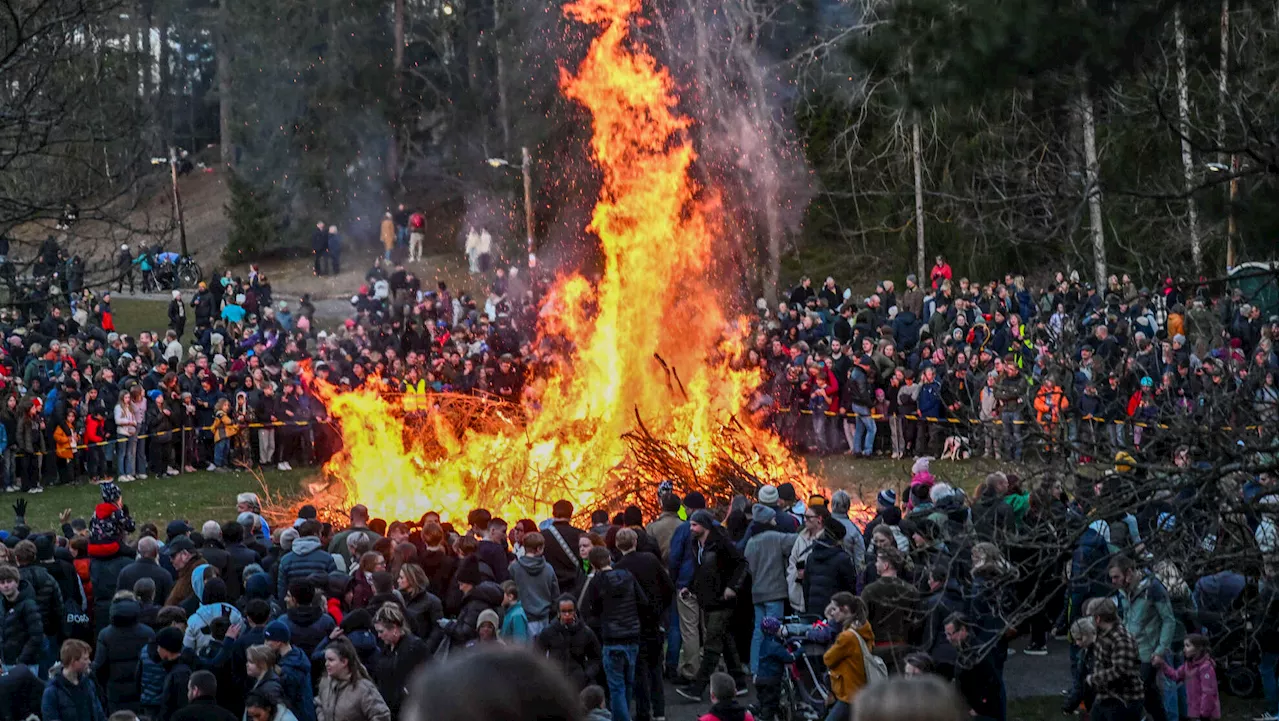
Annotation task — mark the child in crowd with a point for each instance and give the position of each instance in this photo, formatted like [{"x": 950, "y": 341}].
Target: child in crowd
[
  {"x": 111, "y": 525},
  {"x": 1200, "y": 675},
  {"x": 774, "y": 658},
  {"x": 515, "y": 624},
  {"x": 593, "y": 700},
  {"x": 724, "y": 702},
  {"x": 224, "y": 428},
  {"x": 1083, "y": 635},
  {"x": 94, "y": 436}
]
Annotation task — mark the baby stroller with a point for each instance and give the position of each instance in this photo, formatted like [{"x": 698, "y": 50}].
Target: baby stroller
[{"x": 804, "y": 686}]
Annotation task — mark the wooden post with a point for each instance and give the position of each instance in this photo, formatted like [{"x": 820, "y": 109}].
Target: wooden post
[
  {"x": 177, "y": 199},
  {"x": 526, "y": 169}
]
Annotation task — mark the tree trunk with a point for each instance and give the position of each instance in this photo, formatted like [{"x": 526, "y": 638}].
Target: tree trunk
[
  {"x": 1184, "y": 129},
  {"x": 164, "y": 98},
  {"x": 223, "y": 57},
  {"x": 147, "y": 61},
  {"x": 917, "y": 162},
  {"x": 1094, "y": 193},
  {"x": 504, "y": 120},
  {"x": 393, "y": 149}
]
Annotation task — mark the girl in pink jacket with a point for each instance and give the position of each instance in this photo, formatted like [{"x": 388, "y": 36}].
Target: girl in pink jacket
[{"x": 1199, "y": 674}]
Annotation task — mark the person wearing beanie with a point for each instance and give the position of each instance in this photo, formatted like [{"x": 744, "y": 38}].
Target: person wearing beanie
[
  {"x": 829, "y": 568},
  {"x": 478, "y": 595},
  {"x": 766, "y": 549},
  {"x": 885, "y": 500},
  {"x": 164, "y": 672},
  {"x": 681, "y": 565},
  {"x": 790, "y": 503},
  {"x": 768, "y": 495},
  {"x": 295, "y": 671},
  {"x": 720, "y": 574},
  {"x": 111, "y": 525}
]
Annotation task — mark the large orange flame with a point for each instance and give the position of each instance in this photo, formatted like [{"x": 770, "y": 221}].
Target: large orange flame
[{"x": 658, "y": 233}]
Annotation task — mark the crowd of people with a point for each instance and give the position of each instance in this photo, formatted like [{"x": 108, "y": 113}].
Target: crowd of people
[{"x": 314, "y": 621}]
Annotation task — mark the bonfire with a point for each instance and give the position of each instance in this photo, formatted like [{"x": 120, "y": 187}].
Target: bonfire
[{"x": 635, "y": 403}]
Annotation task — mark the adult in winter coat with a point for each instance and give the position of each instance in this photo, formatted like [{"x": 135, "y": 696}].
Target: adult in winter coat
[
  {"x": 845, "y": 659},
  {"x": 308, "y": 623},
  {"x": 213, "y": 604},
  {"x": 570, "y": 645},
  {"x": 402, "y": 653},
  {"x": 71, "y": 694},
  {"x": 766, "y": 552},
  {"x": 163, "y": 673},
  {"x": 20, "y": 624},
  {"x": 478, "y": 596},
  {"x": 294, "y": 669},
  {"x": 422, "y": 608},
  {"x": 651, "y": 574},
  {"x": 45, "y": 590},
  {"x": 307, "y": 557},
  {"x": 147, "y": 566},
  {"x": 120, "y": 645},
  {"x": 829, "y": 568},
  {"x": 346, "y": 691}
]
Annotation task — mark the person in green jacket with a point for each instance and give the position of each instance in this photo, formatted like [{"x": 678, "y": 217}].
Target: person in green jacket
[{"x": 1148, "y": 617}]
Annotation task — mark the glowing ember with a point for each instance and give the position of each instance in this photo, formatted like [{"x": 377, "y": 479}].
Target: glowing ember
[{"x": 658, "y": 232}]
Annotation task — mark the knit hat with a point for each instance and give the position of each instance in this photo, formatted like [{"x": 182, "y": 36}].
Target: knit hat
[
  {"x": 170, "y": 639},
  {"x": 110, "y": 492},
  {"x": 888, "y": 497},
  {"x": 911, "y": 277},
  {"x": 770, "y": 626},
  {"x": 834, "y": 528},
  {"x": 761, "y": 513},
  {"x": 768, "y": 495},
  {"x": 787, "y": 492},
  {"x": 694, "y": 500},
  {"x": 278, "y": 631},
  {"x": 469, "y": 572},
  {"x": 702, "y": 517},
  {"x": 665, "y": 488},
  {"x": 488, "y": 616}
]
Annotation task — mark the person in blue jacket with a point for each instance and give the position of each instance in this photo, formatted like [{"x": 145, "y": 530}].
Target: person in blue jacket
[
  {"x": 682, "y": 564},
  {"x": 71, "y": 695}
]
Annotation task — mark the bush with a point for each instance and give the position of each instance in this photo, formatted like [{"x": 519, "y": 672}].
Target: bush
[{"x": 252, "y": 227}]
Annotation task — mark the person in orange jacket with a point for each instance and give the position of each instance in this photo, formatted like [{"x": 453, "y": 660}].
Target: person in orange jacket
[
  {"x": 388, "y": 234},
  {"x": 845, "y": 659},
  {"x": 1049, "y": 403}
]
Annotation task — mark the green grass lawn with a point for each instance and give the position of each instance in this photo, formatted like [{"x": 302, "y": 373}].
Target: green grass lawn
[
  {"x": 133, "y": 315},
  {"x": 197, "y": 497}
]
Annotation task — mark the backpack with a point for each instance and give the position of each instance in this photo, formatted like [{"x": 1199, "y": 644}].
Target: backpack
[{"x": 873, "y": 667}]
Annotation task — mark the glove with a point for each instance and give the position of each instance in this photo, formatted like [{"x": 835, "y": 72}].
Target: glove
[{"x": 20, "y": 509}]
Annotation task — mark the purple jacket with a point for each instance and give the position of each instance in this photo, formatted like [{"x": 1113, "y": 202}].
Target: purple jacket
[{"x": 1202, "y": 686}]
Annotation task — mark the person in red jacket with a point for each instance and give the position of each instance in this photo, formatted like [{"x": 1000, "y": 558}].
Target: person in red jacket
[
  {"x": 96, "y": 459},
  {"x": 941, "y": 271}
]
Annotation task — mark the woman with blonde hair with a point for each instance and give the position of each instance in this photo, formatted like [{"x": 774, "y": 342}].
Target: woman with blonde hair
[
  {"x": 262, "y": 667},
  {"x": 346, "y": 691},
  {"x": 848, "y": 657},
  {"x": 402, "y": 654}
]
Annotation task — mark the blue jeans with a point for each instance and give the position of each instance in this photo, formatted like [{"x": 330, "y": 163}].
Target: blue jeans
[
  {"x": 620, "y": 672},
  {"x": 864, "y": 431},
  {"x": 1175, "y": 694},
  {"x": 839, "y": 712},
  {"x": 673, "y": 639},
  {"x": 768, "y": 608},
  {"x": 221, "y": 450},
  {"x": 1267, "y": 667},
  {"x": 1012, "y": 435},
  {"x": 126, "y": 459}
]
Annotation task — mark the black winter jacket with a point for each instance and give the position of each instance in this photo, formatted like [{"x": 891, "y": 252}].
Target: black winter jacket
[
  {"x": 651, "y": 573},
  {"x": 575, "y": 649},
  {"x": 48, "y": 597},
  {"x": 146, "y": 568},
  {"x": 396, "y": 667},
  {"x": 308, "y": 626},
  {"x": 424, "y": 611},
  {"x": 614, "y": 601},
  {"x": 828, "y": 570},
  {"x": 486, "y": 595},
  {"x": 115, "y": 665},
  {"x": 20, "y": 628},
  {"x": 719, "y": 566}
]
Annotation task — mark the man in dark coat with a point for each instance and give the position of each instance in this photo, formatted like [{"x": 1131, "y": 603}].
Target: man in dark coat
[
  {"x": 177, "y": 314},
  {"x": 146, "y": 566},
  {"x": 115, "y": 665},
  {"x": 20, "y": 625},
  {"x": 651, "y": 573},
  {"x": 319, "y": 247},
  {"x": 562, "y": 546},
  {"x": 202, "y": 693},
  {"x": 308, "y": 623},
  {"x": 719, "y": 576},
  {"x": 828, "y": 569},
  {"x": 239, "y": 556}
]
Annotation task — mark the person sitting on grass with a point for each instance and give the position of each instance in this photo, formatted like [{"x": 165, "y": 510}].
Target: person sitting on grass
[{"x": 111, "y": 525}]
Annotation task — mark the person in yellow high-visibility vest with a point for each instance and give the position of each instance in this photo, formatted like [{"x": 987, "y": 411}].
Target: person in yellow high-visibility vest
[{"x": 415, "y": 393}]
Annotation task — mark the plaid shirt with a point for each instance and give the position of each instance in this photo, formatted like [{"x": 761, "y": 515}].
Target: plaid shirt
[{"x": 1117, "y": 666}]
